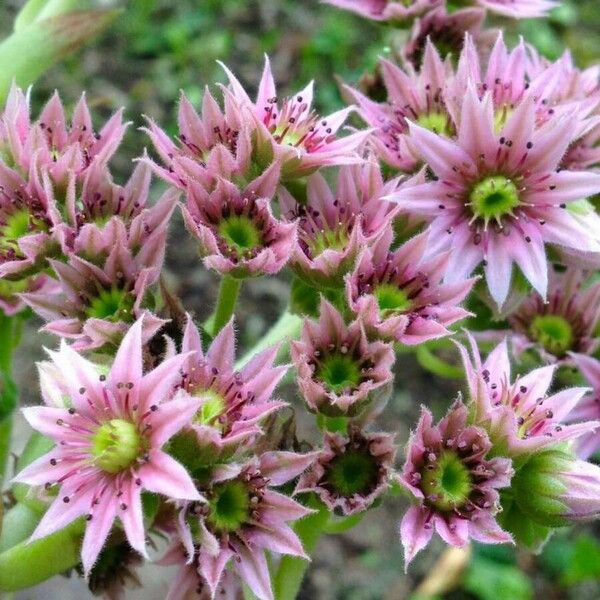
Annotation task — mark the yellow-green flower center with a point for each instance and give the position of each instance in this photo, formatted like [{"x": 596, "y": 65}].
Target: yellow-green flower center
[
  {"x": 17, "y": 225},
  {"x": 448, "y": 484},
  {"x": 339, "y": 373},
  {"x": 493, "y": 198},
  {"x": 438, "y": 122},
  {"x": 213, "y": 406},
  {"x": 112, "y": 304},
  {"x": 353, "y": 472},
  {"x": 240, "y": 233},
  {"x": 329, "y": 239},
  {"x": 116, "y": 445},
  {"x": 391, "y": 299},
  {"x": 553, "y": 332},
  {"x": 229, "y": 506}
]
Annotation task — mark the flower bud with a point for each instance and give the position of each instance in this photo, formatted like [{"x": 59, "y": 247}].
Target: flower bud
[{"x": 553, "y": 489}]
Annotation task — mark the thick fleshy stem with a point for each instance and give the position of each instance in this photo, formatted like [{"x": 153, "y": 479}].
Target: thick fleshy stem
[
  {"x": 226, "y": 300},
  {"x": 290, "y": 573},
  {"x": 285, "y": 329},
  {"x": 25, "y": 565},
  {"x": 10, "y": 333}
]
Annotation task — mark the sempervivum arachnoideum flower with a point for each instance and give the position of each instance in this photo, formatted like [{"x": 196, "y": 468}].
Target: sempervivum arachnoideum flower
[
  {"x": 520, "y": 417},
  {"x": 109, "y": 434},
  {"x": 104, "y": 283},
  {"x": 399, "y": 295},
  {"x": 291, "y": 131},
  {"x": 335, "y": 224},
  {"x": 554, "y": 489},
  {"x": 453, "y": 482},
  {"x": 236, "y": 230},
  {"x": 387, "y": 10},
  {"x": 243, "y": 518},
  {"x": 446, "y": 32},
  {"x": 189, "y": 582},
  {"x": 411, "y": 95},
  {"x": 214, "y": 143},
  {"x": 26, "y": 225},
  {"x": 589, "y": 408},
  {"x": 566, "y": 322},
  {"x": 498, "y": 197},
  {"x": 49, "y": 142},
  {"x": 232, "y": 402},
  {"x": 339, "y": 372},
  {"x": 350, "y": 472}
]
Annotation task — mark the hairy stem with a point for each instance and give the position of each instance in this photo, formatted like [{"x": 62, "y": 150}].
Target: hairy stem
[
  {"x": 226, "y": 300},
  {"x": 285, "y": 329},
  {"x": 288, "y": 577},
  {"x": 25, "y": 565}
]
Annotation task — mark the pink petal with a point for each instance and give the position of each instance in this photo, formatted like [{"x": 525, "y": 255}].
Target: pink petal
[
  {"x": 164, "y": 475},
  {"x": 415, "y": 532}
]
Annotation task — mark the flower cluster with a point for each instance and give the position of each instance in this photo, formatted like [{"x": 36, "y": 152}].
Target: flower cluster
[{"x": 468, "y": 200}]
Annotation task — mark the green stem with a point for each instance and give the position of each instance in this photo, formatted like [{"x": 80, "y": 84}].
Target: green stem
[
  {"x": 288, "y": 577},
  {"x": 5, "y": 431},
  {"x": 26, "y": 565},
  {"x": 432, "y": 363},
  {"x": 285, "y": 329},
  {"x": 226, "y": 300}
]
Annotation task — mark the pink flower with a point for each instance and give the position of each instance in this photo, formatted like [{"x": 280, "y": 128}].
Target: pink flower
[
  {"x": 446, "y": 31},
  {"x": 49, "y": 143},
  {"x": 215, "y": 143},
  {"x": 232, "y": 403},
  {"x": 104, "y": 283},
  {"x": 237, "y": 231},
  {"x": 350, "y": 473},
  {"x": 520, "y": 417},
  {"x": 387, "y": 10},
  {"x": 398, "y": 294},
  {"x": 411, "y": 95},
  {"x": 554, "y": 490},
  {"x": 339, "y": 372},
  {"x": 454, "y": 485},
  {"x": 300, "y": 139},
  {"x": 189, "y": 583},
  {"x": 392, "y": 10},
  {"x": 497, "y": 196},
  {"x": 243, "y": 519},
  {"x": 335, "y": 224},
  {"x": 109, "y": 436},
  {"x": 566, "y": 322},
  {"x": 589, "y": 408},
  {"x": 519, "y": 9}
]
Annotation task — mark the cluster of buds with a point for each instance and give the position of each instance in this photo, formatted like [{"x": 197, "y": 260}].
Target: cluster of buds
[{"x": 468, "y": 197}]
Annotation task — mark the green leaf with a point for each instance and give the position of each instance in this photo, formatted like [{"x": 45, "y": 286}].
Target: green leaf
[
  {"x": 36, "y": 10},
  {"x": 489, "y": 580},
  {"x": 32, "y": 50},
  {"x": 584, "y": 563}
]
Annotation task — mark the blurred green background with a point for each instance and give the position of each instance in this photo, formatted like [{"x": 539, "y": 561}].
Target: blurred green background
[{"x": 157, "y": 47}]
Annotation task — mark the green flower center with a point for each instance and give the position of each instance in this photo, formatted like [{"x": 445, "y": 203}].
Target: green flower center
[
  {"x": 229, "y": 506},
  {"x": 493, "y": 198},
  {"x": 116, "y": 445},
  {"x": 553, "y": 332},
  {"x": 339, "y": 373},
  {"x": 212, "y": 408},
  {"x": 352, "y": 473},
  {"x": 448, "y": 484},
  {"x": 17, "y": 225},
  {"x": 329, "y": 239},
  {"x": 438, "y": 122},
  {"x": 113, "y": 304},
  {"x": 391, "y": 299},
  {"x": 240, "y": 233}
]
